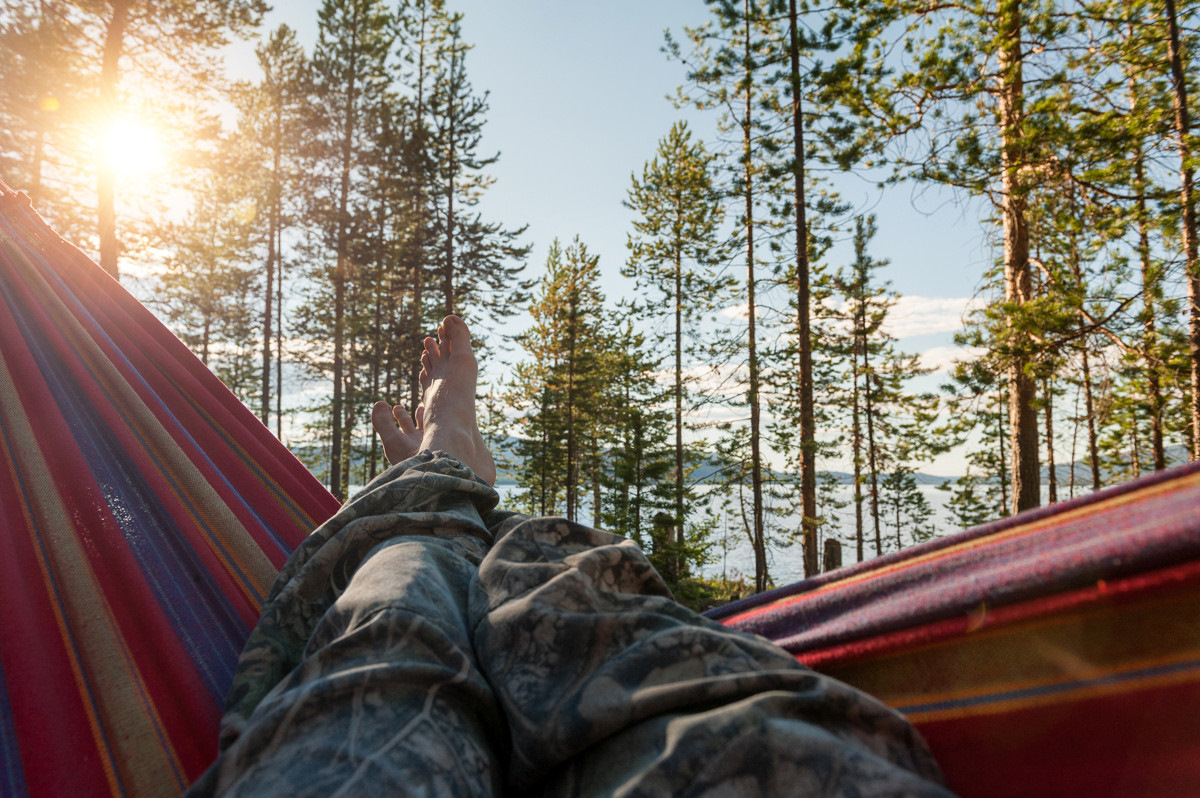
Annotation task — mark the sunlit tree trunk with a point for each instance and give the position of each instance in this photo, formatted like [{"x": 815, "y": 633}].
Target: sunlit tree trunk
[
  {"x": 1018, "y": 288},
  {"x": 808, "y": 436},
  {"x": 1048, "y": 411},
  {"x": 758, "y": 531},
  {"x": 1187, "y": 203},
  {"x": 106, "y": 199}
]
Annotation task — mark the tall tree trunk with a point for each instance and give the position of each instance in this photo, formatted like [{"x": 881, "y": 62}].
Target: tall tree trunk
[
  {"x": 679, "y": 465},
  {"x": 1187, "y": 202},
  {"x": 1002, "y": 404},
  {"x": 1151, "y": 363},
  {"x": 106, "y": 200},
  {"x": 872, "y": 452},
  {"x": 273, "y": 225},
  {"x": 1048, "y": 411},
  {"x": 340, "y": 274},
  {"x": 279, "y": 340},
  {"x": 857, "y": 445},
  {"x": 416, "y": 336},
  {"x": 756, "y": 479},
  {"x": 448, "y": 274},
  {"x": 1089, "y": 409},
  {"x": 808, "y": 432},
  {"x": 1017, "y": 273}
]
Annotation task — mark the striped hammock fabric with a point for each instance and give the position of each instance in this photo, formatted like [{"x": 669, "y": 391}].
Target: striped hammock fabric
[
  {"x": 144, "y": 513},
  {"x": 1056, "y": 653}
]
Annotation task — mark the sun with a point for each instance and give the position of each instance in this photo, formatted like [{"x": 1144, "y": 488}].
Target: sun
[{"x": 131, "y": 148}]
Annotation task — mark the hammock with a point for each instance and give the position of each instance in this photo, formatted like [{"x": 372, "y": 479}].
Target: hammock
[
  {"x": 1053, "y": 653},
  {"x": 144, "y": 512}
]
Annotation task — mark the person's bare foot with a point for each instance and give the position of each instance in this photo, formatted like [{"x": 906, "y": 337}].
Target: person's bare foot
[
  {"x": 446, "y": 418},
  {"x": 400, "y": 435}
]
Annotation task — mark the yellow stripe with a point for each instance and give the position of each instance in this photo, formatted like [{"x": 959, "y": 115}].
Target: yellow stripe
[
  {"x": 130, "y": 721},
  {"x": 1158, "y": 630},
  {"x": 236, "y": 549},
  {"x": 1069, "y": 696}
]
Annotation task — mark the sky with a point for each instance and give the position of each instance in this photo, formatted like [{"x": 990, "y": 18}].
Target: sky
[{"x": 578, "y": 94}]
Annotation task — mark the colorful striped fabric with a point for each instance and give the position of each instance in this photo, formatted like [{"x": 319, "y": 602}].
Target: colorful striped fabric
[
  {"x": 144, "y": 512},
  {"x": 1054, "y": 653}
]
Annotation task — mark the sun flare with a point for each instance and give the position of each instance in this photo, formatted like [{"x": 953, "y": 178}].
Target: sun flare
[{"x": 131, "y": 149}]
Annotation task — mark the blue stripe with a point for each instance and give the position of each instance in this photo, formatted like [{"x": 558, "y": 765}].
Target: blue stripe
[
  {"x": 208, "y": 628},
  {"x": 38, "y": 539},
  {"x": 1057, "y": 688},
  {"x": 12, "y": 772},
  {"x": 99, "y": 331}
]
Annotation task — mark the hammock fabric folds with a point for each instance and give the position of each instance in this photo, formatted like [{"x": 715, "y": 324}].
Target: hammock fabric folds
[
  {"x": 144, "y": 514},
  {"x": 1054, "y": 653}
]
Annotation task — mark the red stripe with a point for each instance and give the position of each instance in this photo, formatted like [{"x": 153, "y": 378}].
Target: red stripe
[
  {"x": 242, "y": 596},
  {"x": 146, "y": 340},
  {"x": 187, "y": 712},
  {"x": 1145, "y": 744},
  {"x": 59, "y": 754}
]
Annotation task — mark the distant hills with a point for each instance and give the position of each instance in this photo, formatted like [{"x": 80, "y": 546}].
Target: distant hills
[{"x": 710, "y": 469}]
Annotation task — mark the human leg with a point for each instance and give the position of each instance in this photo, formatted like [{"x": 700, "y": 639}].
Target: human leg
[
  {"x": 609, "y": 687},
  {"x": 360, "y": 677}
]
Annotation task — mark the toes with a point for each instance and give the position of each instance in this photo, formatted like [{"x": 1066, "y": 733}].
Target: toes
[
  {"x": 404, "y": 420},
  {"x": 381, "y": 418},
  {"x": 432, "y": 350},
  {"x": 454, "y": 333},
  {"x": 384, "y": 422}
]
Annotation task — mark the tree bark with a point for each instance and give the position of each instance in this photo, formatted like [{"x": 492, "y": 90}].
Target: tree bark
[
  {"x": 759, "y": 537},
  {"x": 273, "y": 225},
  {"x": 857, "y": 444},
  {"x": 340, "y": 274},
  {"x": 1018, "y": 289},
  {"x": 872, "y": 453},
  {"x": 106, "y": 201},
  {"x": 1089, "y": 409},
  {"x": 679, "y": 465},
  {"x": 448, "y": 274},
  {"x": 808, "y": 435},
  {"x": 1048, "y": 412},
  {"x": 1151, "y": 364},
  {"x": 1187, "y": 202}
]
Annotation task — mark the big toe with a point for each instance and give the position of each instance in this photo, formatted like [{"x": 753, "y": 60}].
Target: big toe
[
  {"x": 455, "y": 332},
  {"x": 381, "y": 418}
]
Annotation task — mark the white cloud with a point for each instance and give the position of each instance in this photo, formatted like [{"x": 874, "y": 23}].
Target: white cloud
[
  {"x": 943, "y": 358},
  {"x": 923, "y": 315},
  {"x": 741, "y": 311}
]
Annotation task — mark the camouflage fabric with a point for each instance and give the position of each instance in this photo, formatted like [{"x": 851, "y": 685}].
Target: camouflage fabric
[{"x": 421, "y": 643}]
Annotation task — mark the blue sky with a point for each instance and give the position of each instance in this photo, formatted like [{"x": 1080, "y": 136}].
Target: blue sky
[{"x": 578, "y": 95}]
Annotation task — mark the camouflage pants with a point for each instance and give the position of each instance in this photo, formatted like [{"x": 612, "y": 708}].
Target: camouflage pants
[{"x": 421, "y": 643}]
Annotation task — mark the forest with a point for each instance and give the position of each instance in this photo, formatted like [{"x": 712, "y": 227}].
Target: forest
[{"x": 315, "y": 223}]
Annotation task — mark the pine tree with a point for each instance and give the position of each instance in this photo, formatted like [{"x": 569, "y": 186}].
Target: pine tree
[
  {"x": 174, "y": 42},
  {"x": 674, "y": 251},
  {"x": 349, "y": 71},
  {"x": 271, "y": 125},
  {"x": 42, "y": 96},
  {"x": 207, "y": 290},
  {"x": 560, "y": 391},
  {"x": 479, "y": 262},
  {"x": 988, "y": 136}
]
